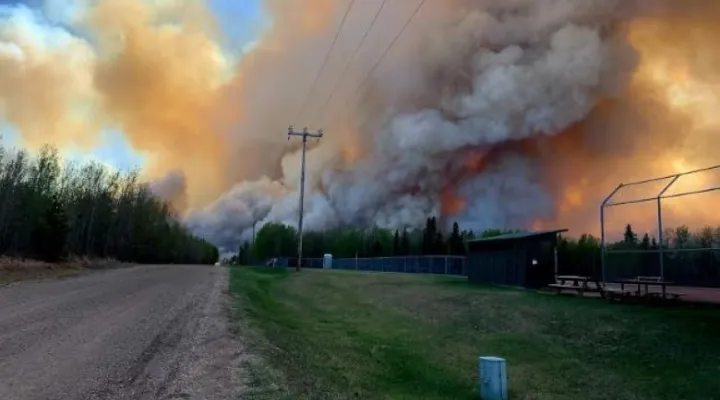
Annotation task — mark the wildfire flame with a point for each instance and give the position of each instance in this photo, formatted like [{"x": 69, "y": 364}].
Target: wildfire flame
[
  {"x": 474, "y": 162},
  {"x": 452, "y": 203}
]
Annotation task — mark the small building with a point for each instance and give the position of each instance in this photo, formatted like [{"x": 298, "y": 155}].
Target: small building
[{"x": 525, "y": 259}]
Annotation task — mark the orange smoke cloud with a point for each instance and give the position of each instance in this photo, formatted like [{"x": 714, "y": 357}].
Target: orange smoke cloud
[
  {"x": 161, "y": 84},
  {"x": 45, "y": 87}
]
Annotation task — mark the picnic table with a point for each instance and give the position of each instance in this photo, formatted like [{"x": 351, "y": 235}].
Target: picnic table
[
  {"x": 577, "y": 283},
  {"x": 646, "y": 282}
]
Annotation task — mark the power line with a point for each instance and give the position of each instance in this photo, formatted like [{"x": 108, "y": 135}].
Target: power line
[
  {"x": 327, "y": 56},
  {"x": 387, "y": 49},
  {"x": 347, "y": 65}
]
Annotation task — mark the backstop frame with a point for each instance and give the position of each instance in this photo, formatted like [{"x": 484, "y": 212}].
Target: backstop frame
[{"x": 661, "y": 195}]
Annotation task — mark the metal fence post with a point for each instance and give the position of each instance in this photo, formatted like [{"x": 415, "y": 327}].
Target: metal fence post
[
  {"x": 660, "y": 224},
  {"x": 446, "y": 264}
]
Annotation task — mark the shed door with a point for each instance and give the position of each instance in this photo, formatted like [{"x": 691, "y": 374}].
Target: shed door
[
  {"x": 500, "y": 267},
  {"x": 542, "y": 273}
]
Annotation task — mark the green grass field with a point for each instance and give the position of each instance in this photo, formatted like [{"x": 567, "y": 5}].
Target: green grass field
[{"x": 336, "y": 335}]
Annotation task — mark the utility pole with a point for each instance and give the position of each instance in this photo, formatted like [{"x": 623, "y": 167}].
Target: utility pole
[{"x": 305, "y": 135}]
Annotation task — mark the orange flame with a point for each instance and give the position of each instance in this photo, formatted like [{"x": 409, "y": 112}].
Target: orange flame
[
  {"x": 451, "y": 203},
  {"x": 475, "y": 161}
]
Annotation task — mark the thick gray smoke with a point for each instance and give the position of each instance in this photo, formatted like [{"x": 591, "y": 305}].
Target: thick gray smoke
[
  {"x": 479, "y": 79},
  {"x": 171, "y": 188}
]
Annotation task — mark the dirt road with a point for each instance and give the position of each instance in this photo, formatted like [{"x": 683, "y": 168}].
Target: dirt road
[{"x": 147, "y": 332}]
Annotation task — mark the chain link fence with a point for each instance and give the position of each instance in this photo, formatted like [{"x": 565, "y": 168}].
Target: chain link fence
[
  {"x": 440, "y": 265},
  {"x": 683, "y": 267}
]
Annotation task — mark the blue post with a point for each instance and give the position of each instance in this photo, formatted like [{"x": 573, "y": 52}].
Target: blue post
[{"x": 493, "y": 378}]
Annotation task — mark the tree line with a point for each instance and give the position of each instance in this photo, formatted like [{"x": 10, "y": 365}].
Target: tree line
[
  {"x": 51, "y": 210},
  {"x": 279, "y": 240},
  {"x": 633, "y": 254}
]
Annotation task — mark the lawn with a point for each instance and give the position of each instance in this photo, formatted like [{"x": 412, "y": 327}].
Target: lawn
[{"x": 341, "y": 334}]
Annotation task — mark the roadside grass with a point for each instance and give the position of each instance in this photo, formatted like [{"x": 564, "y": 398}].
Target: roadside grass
[
  {"x": 20, "y": 270},
  {"x": 15, "y": 270},
  {"x": 343, "y": 335}
]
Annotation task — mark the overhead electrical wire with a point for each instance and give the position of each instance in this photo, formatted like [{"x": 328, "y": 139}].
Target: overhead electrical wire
[
  {"x": 327, "y": 56},
  {"x": 336, "y": 86},
  {"x": 387, "y": 50}
]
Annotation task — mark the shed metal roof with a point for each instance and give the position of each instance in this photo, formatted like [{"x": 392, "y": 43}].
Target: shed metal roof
[{"x": 517, "y": 235}]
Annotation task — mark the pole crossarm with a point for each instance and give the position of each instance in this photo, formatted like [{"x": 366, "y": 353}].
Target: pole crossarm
[
  {"x": 305, "y": 133},
  {"x": 607, "y": 202}
]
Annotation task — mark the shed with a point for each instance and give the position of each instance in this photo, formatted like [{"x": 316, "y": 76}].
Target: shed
[{"x": 525, "y": 259}]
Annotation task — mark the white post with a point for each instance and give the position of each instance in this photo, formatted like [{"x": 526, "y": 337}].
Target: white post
[{"x": 493, "y": 378}]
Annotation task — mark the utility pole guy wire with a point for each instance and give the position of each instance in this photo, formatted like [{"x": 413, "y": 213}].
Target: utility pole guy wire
[{"x": 305, "y": 135}]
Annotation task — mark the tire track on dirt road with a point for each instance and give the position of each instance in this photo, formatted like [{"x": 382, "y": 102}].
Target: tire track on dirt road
[{"x": 148, "y": 332}]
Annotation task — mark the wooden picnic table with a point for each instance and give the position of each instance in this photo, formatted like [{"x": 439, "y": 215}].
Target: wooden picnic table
[
  {"x": 578, "y": 283},
  {"x": 577, "y": 280},
  {"x": 647, "y": 281}
]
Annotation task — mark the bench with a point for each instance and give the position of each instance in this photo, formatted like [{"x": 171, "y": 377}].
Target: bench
[{"x": 618, "y": 294}]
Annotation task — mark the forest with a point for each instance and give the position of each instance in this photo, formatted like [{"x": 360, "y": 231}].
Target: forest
[{"x": 52, "y": 210}]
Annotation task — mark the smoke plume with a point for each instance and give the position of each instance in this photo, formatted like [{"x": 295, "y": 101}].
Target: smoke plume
[{"x": 494, "y": 113}]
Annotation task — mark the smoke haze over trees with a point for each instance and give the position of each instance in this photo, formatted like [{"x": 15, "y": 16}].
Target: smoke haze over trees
[{"x": 51, "y": 211}]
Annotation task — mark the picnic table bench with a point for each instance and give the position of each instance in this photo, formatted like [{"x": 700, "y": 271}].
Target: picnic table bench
[
  {"x": 647, "y": 282},
  {"x": 578, "y": 284}
]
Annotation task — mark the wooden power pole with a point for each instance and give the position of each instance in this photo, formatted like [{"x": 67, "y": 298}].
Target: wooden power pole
[{"x": 305, "y": 135}]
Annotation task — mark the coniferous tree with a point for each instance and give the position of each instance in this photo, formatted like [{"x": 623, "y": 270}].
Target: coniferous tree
[
  {"x": 396, "y": 243},
  {"x": 405, "y": 243},
  {"x": 470, "y": 235},
  {"x": 645, "y": 243},
  {"x": 629, "y": 237},
  {"x": 439, "y": 247},
  {"x": 377, "y": 249},
  {"x": 429, "y": 236},
  {"x": 455, "y": 243}
]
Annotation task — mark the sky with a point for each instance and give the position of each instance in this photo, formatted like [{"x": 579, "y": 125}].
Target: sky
[{"x": 240, "y": 20}]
